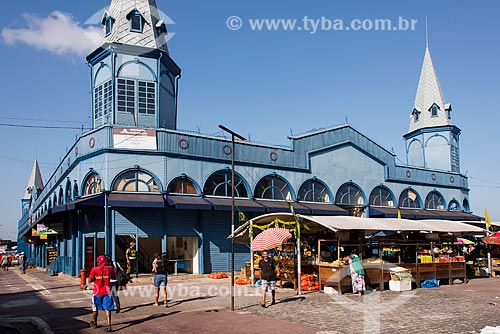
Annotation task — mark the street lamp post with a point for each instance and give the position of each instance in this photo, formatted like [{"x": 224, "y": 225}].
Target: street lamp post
[{"x": 233, "y": 135}]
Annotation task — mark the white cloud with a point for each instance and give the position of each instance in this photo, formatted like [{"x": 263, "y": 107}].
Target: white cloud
[{"x": 59, "y": 33}]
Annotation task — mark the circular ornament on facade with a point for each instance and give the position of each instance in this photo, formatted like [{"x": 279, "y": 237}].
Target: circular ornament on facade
[
  {"x": 91, "y": 142},
  {"x": 76, "y": 151},
  {"x": 227, "y": 149},
  {"x": 408, "y": 174},
  {"x": 273, "y": 156},
  {"x": 433, "y": 177},
  {"x": 183, "y": 144},
  {"x": 452, "y": 179}
]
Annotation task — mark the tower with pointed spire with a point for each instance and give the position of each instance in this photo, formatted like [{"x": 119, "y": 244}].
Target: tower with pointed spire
[
  {"x": 34, "y": 187},
  {"x": 133, "y": 79},
  {"x": 432, "y": 140}
]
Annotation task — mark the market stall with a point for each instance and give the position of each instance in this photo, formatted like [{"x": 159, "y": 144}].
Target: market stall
[{"x": 320, "y": 243}]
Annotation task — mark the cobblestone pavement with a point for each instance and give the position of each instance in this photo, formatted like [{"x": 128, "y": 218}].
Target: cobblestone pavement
[{"x": 201, "y": 305}]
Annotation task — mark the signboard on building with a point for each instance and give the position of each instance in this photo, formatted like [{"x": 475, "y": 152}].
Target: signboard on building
[
  {"x": 51, "y": 254},
  {"x": 138, "y": 139},
  {"x": 41, "y": 229}
]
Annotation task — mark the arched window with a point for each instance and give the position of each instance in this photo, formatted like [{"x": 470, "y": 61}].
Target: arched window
[
  {"x": 61, "y": 196},
  {"x": 135, "y": 181},
  {"x": 314, "y": 191},
  {"x": 434, "y": 200},
  {"x": 409, "y": 199},
  {"x": 381, "y": 196},
  {"x": 454, "y": 205},
  {"x": 349, "y": 194},
  {"x": 69, "y": 195},
  {"x": 219, "y": 184},
  {"x": 93, "y": 185},
  {"x": 273, "y": 187},
  {"x": 76, "y": 194},
  {"x": 465, "y": 205},
  {"x": 182, "y": 185}
]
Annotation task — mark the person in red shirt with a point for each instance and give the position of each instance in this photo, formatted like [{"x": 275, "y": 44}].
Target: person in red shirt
[{"x": 102, "y": 298}]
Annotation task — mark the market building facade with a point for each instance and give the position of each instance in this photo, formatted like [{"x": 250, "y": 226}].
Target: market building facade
[{"x": 136, "y": 177}]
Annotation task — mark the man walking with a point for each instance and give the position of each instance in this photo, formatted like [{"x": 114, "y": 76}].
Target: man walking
[
  {"x": 114, "y": 283},
  {"x": 131, "y": 256},
  {"x": 101, "y": 293},
  {"x": 160, "y": 270},
  {"x": 22, "y": 262},
  {"x": 269, "y": 272}
]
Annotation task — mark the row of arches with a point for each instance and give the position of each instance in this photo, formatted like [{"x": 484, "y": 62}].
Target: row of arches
[{"x": 271, "y": 186}]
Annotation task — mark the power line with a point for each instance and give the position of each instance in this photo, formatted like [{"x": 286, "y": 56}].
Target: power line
[
  {"x": 40, "y": 120},
  {"x": 482, "y": 180},
  {"x": 44, "y": 126},
  {"x": 483, "y": 186}
]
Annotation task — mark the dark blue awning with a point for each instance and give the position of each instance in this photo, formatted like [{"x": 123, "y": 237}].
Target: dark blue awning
[
  {"x": 322, "y": 209},
  {"x": 136, "y": 200},
  {"x": 188, "y": 202},
  {"x": 240, "y": 204}
]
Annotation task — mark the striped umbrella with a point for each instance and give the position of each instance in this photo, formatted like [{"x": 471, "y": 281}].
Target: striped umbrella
[
  {"x": 270, "y": 238},
  {"x": 493, "y": 239}
]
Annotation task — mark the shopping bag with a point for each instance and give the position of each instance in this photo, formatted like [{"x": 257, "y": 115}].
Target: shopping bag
[{"x": 429, "y": 283}]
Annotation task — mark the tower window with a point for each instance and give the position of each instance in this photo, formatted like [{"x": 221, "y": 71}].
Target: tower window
[
  {"x": 136, "y": 95},
  {"x": 147, "y": 97},
  {"x": 434, "y": 110},
  {"x": 136, "y": 22},
  {"x": 109, "y": 25},
  {"x": 103, "y": 99},
  {"x": 416, "y": 115},
  {"x": 126, "y": 95}
]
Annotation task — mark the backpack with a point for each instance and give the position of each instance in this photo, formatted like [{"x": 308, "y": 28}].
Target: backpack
[
  {"x": 121, "y": 278},
  {"x": 162, "y": 267}
]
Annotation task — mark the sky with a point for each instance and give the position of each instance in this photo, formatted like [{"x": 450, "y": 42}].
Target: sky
[{"x": 264, "y": 84}]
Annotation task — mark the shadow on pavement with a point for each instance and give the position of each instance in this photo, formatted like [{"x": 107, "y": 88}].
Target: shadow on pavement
[{"x": 116, "y": 326}]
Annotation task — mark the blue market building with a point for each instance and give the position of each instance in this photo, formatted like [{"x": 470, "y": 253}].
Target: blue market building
[{"x": 136, "y": 177}]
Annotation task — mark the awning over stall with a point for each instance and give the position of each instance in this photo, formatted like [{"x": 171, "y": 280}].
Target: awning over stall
[{"x": 337, "y": 223}]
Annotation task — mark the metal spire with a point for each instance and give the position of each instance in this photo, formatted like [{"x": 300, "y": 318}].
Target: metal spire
[{"x": 426, "y": 34}]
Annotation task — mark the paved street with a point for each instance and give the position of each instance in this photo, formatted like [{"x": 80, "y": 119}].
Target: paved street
[{"x": 201, "y": 305}]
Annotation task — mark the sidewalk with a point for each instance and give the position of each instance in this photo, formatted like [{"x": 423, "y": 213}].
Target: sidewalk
[
  {"x": 199, "y": 304},
  {"x": 195, "y": 306}
]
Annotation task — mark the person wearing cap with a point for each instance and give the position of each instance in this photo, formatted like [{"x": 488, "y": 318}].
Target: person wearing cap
[
  {"x": 102, "y": 298},
  {"x": 131, "y": 256}
]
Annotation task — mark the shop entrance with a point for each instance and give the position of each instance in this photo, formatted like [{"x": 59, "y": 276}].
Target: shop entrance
[
  {"x": 93, "y": 248},
  {"x": 146, "y": 247},
  {"x": 183, "y": 254}
]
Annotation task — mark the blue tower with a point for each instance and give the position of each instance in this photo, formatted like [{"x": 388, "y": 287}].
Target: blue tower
[
  {"x": 432, "y": 140},
  {"x": 133, "y": 79}
]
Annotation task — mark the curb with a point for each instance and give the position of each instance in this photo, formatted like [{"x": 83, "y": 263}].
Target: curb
[{"x": 41, "y": 325}]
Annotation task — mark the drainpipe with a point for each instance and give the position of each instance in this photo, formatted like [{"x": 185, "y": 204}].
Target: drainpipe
[
  {"x": 176, "y": 99},
  {"x": 158, "y": 80},
  {"x": 107, "y": 246},
  {"x": 91, "y": 95}
]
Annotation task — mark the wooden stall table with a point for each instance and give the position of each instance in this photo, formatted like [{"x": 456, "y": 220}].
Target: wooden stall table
[
  {"x": 458, "y": 270},
  {"x": 337, "y": 276}
]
